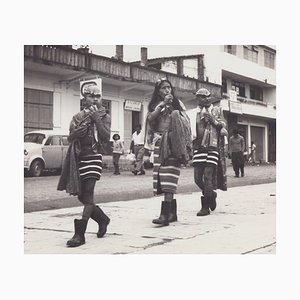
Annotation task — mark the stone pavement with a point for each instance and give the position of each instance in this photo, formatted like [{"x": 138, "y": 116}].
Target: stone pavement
[{"x": 243, "y": 223}]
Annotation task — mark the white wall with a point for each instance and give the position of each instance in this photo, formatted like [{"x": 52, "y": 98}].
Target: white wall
[{"x": 66, "y": 101}]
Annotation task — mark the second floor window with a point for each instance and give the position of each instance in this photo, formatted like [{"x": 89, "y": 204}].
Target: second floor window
[
  {"x": 269, "y": 59},
  {"x": 251, "y": 53},
  {"x": 231, "y": 49},
  {"x": 256, "y": 93},
  {"x": 239, "y": 87}
]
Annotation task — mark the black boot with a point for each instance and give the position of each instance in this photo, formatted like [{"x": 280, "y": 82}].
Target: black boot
[
  {"x": 102, "y": 219},
  {"x": 164, "y": 214},
  {"x": 204, "y": 211},
  {"x": 212, "y": 201},
  {"x": 173, "y": 212},
  {"x": 78, "y": 238}
]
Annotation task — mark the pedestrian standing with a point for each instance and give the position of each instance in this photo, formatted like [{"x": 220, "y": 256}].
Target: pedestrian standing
[
  {"x": 89, "y": 130},
  {"x": 209, "y": 131},
  {"x": 168, "y": 133},
  {"x": 236, "y": 150},
  {"x": 252, "y": 153},
  {"x": 137, "y": 147},
  {"x": 118, "y": 150}
]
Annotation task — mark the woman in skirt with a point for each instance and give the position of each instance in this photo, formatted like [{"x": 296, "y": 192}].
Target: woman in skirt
[{"x": 168, "y": 133}]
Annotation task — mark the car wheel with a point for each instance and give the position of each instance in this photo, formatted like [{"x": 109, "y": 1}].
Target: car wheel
[{"x": 36, "y": 168}]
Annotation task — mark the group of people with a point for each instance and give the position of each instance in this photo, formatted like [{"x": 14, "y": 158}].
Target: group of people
[
  {"x": 136, "y": 148},
  {"x": 174, "y": 135}
]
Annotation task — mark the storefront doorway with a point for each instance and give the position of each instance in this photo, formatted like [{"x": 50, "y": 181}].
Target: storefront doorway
[
  {"x": 243, "y": 130},
  {"x": 257, "y": 136}
]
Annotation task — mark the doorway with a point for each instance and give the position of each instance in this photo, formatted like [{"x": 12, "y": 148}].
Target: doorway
[
  {"x": 135, "y": 120},
  {"x": 257, "y": 136}
]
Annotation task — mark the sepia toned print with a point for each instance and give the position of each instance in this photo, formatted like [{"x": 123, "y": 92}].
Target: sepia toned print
[{"x": 238, "y": 219}]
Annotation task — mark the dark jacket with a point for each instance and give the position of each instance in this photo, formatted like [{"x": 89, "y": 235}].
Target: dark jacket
[{"x": 70, "y": 178}]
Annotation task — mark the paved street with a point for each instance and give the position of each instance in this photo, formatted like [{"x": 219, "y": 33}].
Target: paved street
[
  {"x": 41, "y": 194},
  {"x": 243, "y": 223}
]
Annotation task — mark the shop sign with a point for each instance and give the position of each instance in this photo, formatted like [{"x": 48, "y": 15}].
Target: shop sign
[
  {"x": 86, "y": 83},
  {"x": 235, "y": 107},
  {"x": 133, "y": 105}
]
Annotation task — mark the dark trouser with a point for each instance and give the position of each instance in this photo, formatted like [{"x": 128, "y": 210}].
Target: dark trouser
[
  {"x": 203, "y": 177},
  {"x": 238, "y": 162},
  {"x": 116, "y": 158},
  {"x": 87, "y": 197}
]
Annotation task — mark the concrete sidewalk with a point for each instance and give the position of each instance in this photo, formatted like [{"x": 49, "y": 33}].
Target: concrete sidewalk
[{"x": 244, "y": 222}]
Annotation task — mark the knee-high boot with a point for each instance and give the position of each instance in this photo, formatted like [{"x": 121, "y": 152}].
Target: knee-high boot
[
  {"x": 212, "y": 201},
  {"x": 78, "y": 237},
  {"x": 204, "y": 211},
  {"x": 163, "y": 219},
  {"x": 102, "y": 219},
  {"x": 173, "y": 211}
]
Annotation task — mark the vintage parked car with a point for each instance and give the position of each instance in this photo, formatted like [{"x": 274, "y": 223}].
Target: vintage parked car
[{"x": 44, "y": 150}]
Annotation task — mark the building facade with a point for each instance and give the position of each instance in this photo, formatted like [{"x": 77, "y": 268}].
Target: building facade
[
  {"x": 52, "y": 76},
  {"x": 247, "y": 74}
]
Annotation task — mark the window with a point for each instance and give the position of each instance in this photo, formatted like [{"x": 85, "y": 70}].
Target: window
[
  {"x": 38, "y": 109},
  {"x": 256, "y": 93},
  {"x": 251, "y": 53},
  {"x": 239, "y": 87},
  {"x": 269, "y": 59},
  {"x": 34, "y": 138},
  {"x": 224, "y": 85},
  {"x": 53, "y": 141},
  {"x": 231, "y": 49},
  {"x": 65, "y": 141},
  {"x": 190, "y": 67},
  {"x": 169, "y": 66}
]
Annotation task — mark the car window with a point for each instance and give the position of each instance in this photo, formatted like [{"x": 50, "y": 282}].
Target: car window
[
  {"x": 34, "y": 138},
  {"x": 65, "y": 141},
  {"x": 53, "y": 141}
]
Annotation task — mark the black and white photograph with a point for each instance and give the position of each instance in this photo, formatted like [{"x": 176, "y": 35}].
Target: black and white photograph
[
  {"x": 172, "y": 151},
  {"x": 148, "y": 150}
]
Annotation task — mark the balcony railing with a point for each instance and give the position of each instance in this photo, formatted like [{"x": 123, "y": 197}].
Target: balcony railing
[
  {"x": 248, "y": 100},
  {"x": 109, "y": 67}
]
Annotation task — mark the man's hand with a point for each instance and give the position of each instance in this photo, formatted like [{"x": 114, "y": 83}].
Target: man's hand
[
  {"x": 209, "y": 118},
  {"x": 95, "y": 111}
]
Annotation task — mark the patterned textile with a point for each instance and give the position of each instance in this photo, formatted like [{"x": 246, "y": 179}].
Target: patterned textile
[
  {"x": 221, "y": 178},
  {"x": 165, "y": 177},
  {"x": 90, "y": 166},
  {"x": 206, "y": 157},
  {"x": 180, "y": 136}
]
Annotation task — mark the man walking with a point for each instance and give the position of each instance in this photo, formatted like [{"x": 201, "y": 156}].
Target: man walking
[
  {"x": 137, "y": 147},
  {"x": 236, "y": 150},
  {"x": 208, "y": 131}
]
